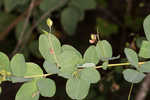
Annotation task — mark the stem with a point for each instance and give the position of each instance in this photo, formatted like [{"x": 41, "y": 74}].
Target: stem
[
  {"x": 34, "y": 76},
  {"x": 130, "y": 91},
  {"x": 120, "y": 64},
  {"x": 109, "y": 65}
]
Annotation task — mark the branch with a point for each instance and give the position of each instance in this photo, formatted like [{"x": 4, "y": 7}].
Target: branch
[
  {"x": 141, "y": 95},
  {"x": 24, "y": 27},
  {"x": 16, "y": 21}
]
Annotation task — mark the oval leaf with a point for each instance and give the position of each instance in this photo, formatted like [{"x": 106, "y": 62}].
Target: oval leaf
[
  {"x": 49, "y": 47},
  {"x": 4, "y": 62},
  {"x": 146, "y": 26},
  {"x": 46, "y": 87},
  {"x": 145, "y": 67},
  {"x": 69, "y": 19},
  {"x": 28, "y": 91},
  {"x": 133, "y": 76},
  {"x": 18, "y": 65},
  {"x": 90, "y": 74},
  {"x": 90, "y": 55},
  {"x": 104, "y": 50},
  {"x": 50, "y": 67},
  {"x": 132, "y": 57},
  {"x": 33, "y": 70},
  {"x": 77, "y": 88},
  {"x": 144, "y": 50}
]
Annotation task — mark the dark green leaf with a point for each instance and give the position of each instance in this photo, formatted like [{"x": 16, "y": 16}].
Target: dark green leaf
[
  {"x": 90, "y": 74},
  {"x": 50, "y": 67},
  {"x": 90, "y": 55},
  {"x": 77, "y": 88},
  {"x": 46, "y": 87},
  {"x": 133, "y": 76},
  {"x": 28, "y": 91},
  {"x": 132, "y": 57},
  {"x": 83, "y": 4},
  {"x": 18, "y": 65},
  {"x": 146, "y": 25},
  {"x": 47, "y": 5},
  {"x": 69, "y": 19},
  {"x": 145, "y": 50}
]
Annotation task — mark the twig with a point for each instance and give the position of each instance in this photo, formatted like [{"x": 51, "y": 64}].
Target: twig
[
  {"x": 16, "y": 21},
  {"x": 129, "y": 96},
  {"x": 145, "y": 86},
  {"x": 62, "y": 2},
  {"x": 24, "y": 27}
]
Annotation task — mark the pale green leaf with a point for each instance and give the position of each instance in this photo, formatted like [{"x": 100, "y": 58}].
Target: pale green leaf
[
  {"x": 46, "y": 87},
  {"x": 4, "y": 62},
  {"x": 28, "y": 91},
  {"x": 90, "y": 55},
  {"x": 77, "y": 88},
  {"x": 146, "y": 26},
  {"x": 145, "y": 50},
  {"x": 49, "y": 47},
  {"x": 145, "y": 67},
  {"x": 18, "y": 65},
  {"x": 104, "y": 50},
  {"x": 50, "y": 67},
  {"x": 19, "y": 79},
  {"x": 69, "y": 19},
  {"x": 90, "y": 74},
  {"x": 33, "y": 70},
  {"x": 133, "y": 76},
  {"x": 132, "y": 57}
]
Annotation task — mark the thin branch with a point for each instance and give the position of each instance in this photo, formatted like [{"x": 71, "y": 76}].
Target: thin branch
[
  {"x": 109, "y": 65},
  {"x": 129, "y": 96},
  {"x": 24, "y": 27},
  {"x": 16, "y": 21},
  {"x": 62, "y": 2}
]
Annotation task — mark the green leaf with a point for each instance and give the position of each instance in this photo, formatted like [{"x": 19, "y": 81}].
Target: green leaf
[
  {"x": 49, "y": 47},
  {"x": 68, "y": 58},
  {"x": 132, "y": 57},
  {"x": 28, "y": 91},
  {"x": 19, "y": 79},
  {"x": 77, "y": 88},
  {"x": 46, "y": 87},
  {"x": 90, "y": 55},
  {"x": 146, "y": 26},
  {"x": 18, "y": 65},
  {"x": 33, "y": 69},
  {"x": 10, "y": 4},
  {"x": 83, "y": 4},
  {"x": 69, "y": 19},
  {"x": 105, "y": 65},
  {"x": 133, "y": 76},
  {"x": 47, "y": 5},
  {"x": 90, "y": 74},
  {"x": 4, "y": 62},
  {"x": 104, "y": 50},
  {"x": 50, "y": 67},
  {"x": 145, "y": 50},
  {"x": 145, "y": 67},
  {"x": 86, "y": 65},
  {"x": 70, "y": 48},
  {"x": 106, "y": 28},
  {"x": 5, "y": 20}
]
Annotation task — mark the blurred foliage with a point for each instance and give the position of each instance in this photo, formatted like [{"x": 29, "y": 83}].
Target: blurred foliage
[{"x": 75, "y": 17}]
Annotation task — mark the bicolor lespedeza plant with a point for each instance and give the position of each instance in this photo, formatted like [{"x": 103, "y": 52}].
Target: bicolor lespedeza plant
[{"x": 65, "y": 61}]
